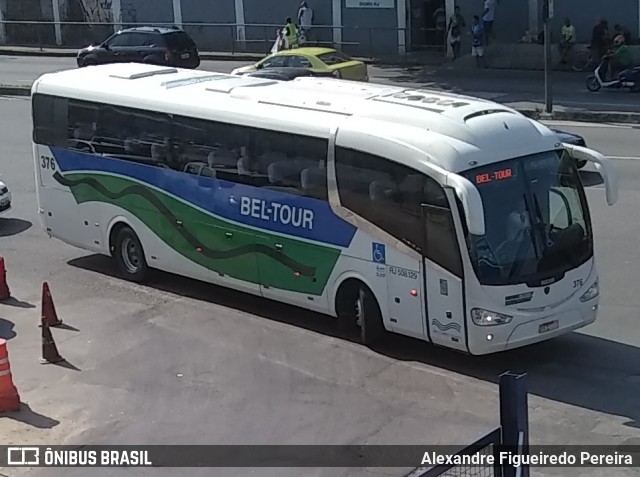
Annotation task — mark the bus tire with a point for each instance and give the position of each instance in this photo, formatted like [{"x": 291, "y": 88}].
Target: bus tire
[
  {"x": 369, "y": 317},
  {"x": 359, "y": 313},
  {"x": 129, "y": 255}
]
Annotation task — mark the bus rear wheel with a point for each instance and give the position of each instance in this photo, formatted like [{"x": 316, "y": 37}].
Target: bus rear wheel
[
  {"x": 129, "y": 255},
  {"x": 358, "y": 311}
]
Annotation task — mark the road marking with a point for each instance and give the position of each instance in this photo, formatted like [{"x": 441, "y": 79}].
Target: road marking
[
  {"x": 579, "y": 124},
  {"x": 593, "y": 103},
  {"x": 624, "y": 158}
]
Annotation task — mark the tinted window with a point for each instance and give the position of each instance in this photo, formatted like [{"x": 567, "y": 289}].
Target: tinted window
[
  {"x": 334, "y": 58},
  {"x": 151, "y": 39},
  {"x": 389, "y": 195},
  {"x": 122, "y": 39},
  {"x": 179, "y": 40},
  {"x": 282, "y": 161},
  {"x": 275, "y": 62},
  {"x": 124, "y": 133},
  {"x": 537, "y": 220},
  {"x": 49, "y": 116},
  {"x": 298, "y": 62}
]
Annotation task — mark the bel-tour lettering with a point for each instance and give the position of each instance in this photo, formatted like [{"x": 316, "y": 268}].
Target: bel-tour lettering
[{"x": 276, "y": 212}]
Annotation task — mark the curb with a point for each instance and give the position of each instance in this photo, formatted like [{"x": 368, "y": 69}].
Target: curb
[
  {"x": 584, "y": 116},
  {"x": 581, "y": 116},
  {"x": 7, "y": 90},
  {"x": 204, "y": 56}
]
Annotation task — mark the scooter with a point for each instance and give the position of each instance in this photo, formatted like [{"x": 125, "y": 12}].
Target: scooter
[{"x": 629, "y": 78}]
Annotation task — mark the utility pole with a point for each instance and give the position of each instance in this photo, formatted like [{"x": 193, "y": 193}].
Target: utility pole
[{"x": 548, "y": 87}]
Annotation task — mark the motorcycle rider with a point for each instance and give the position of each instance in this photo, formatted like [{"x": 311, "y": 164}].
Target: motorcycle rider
[{"x": 620, "y": 58}]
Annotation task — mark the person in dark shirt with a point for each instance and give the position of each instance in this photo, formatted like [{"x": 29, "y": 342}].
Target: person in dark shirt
[{"x": 600, "y": 39}]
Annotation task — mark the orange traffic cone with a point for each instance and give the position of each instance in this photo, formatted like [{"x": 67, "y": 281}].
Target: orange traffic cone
[
  {"x": 50, "y": 353},
  {"x": 9, "y": 397},
  {"x": 48, "y": 309},
  {"x": 5, "y": 294}
]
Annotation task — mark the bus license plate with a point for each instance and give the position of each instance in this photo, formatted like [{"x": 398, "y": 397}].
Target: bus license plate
[
  {"x": 184, "y": 56},
  {"x": 550, "y": 326}
]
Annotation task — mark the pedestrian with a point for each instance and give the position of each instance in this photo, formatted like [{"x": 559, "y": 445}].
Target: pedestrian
[
  {"x": 290, "y": 34},
  {"x": 305, "y": 20},
  {"x": 477, "y": 41},
  {"x": 280, "y": 43},
  {"x": 456, "y": 24},
  {"x": 567, "y": 40},
  {"x": 488, "y": 16},
  {"x": 600, "y": 39}
]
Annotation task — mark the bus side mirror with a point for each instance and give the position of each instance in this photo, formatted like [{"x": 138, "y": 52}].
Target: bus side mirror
[
  {"x": 471, "y": 202},
  {"x": 603, "y": 165}
]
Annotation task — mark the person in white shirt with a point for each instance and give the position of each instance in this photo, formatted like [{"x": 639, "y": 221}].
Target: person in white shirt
[
  {"x": 305, "y": 20},
  {"x": 488, "y": 15}
]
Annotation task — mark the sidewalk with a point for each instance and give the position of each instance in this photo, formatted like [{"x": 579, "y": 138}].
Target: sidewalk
[{"x": 522, "y": 90}]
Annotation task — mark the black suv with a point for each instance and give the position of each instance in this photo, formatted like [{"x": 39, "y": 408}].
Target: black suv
[{"x": 153, "y": 45}]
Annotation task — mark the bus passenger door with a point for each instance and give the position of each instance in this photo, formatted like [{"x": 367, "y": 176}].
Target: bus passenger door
[
  {"x": 443, "y": 279},
  {"x": 404, "y": 288}
]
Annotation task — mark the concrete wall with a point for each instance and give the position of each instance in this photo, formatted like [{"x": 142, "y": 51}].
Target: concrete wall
[
  {"x": 38, "y": 10},
  {"x": 146, "y": 11},
  {"x": 371, "y": 30},
  {"x": 209, "y": 37}
]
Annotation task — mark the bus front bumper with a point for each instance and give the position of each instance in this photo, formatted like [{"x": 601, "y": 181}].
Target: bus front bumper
[{"x": 490, "y": 340}]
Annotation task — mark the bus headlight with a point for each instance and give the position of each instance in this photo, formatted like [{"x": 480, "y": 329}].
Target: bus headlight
[
  {"x": 489, "y": 318},
  {"x": 591, "y": 293}
]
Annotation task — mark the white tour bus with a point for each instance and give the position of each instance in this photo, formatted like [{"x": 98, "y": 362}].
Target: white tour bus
[{"x": 447, "y": 218}]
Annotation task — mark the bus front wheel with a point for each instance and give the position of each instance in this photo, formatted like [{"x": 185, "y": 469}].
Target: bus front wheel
[
  {"x": 358, "y": 310},
  {"x": 129, "y": 255}
]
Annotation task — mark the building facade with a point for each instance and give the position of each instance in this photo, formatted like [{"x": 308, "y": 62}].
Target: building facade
[{"x": 359, "y": 27}]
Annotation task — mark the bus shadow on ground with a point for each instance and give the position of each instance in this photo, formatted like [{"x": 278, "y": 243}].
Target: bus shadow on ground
[
  {"x": 580, "y": 370},
  {"x": 12, "y": 226}
]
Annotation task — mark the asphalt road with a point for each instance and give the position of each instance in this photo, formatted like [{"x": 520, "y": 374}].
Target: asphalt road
[
  {"x": 517, "y": 88},
  {"x": 182, "y": 362}
]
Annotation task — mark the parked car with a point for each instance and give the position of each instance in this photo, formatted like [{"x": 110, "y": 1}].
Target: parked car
[
  {"x": 288, "y": 74},
  {"x": 158, "y": 46},
  {"x": 5, "y": 198},
  {"x": 574, "y": 139},
  {"x": 318, "y": 60}
]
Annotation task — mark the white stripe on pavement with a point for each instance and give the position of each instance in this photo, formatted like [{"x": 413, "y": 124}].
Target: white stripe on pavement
[{"x": 579, "y": 124}]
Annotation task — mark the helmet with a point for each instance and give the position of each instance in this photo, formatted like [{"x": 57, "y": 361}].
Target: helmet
[{"x": 618, "y": 40}]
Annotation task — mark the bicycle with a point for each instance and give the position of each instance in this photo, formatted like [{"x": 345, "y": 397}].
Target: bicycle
[{"x": 583, "y": 59}]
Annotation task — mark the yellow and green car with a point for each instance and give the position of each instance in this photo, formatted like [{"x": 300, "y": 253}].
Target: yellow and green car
[{"x": 319, "y": 60}]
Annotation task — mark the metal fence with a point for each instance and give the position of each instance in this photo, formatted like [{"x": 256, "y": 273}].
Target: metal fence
[
  {"x": 512, "y": 432},
  {"x": 228, "y": 37}
]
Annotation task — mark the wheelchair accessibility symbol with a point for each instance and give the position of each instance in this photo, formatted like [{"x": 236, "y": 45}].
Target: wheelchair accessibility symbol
[{"x": 378, "y": 252}]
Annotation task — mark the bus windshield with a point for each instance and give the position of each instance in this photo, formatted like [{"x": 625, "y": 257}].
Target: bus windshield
[{"x": 537, "y": 220}]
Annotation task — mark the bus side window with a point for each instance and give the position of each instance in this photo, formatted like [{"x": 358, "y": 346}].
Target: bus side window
[
  {"x": 49, "y": 120},
  {"x": 135, "y": 135},
  {"x": 376, "y": 189},
  {"x": 390, "y": 196},
  {"x": 82, "y": 124}
]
